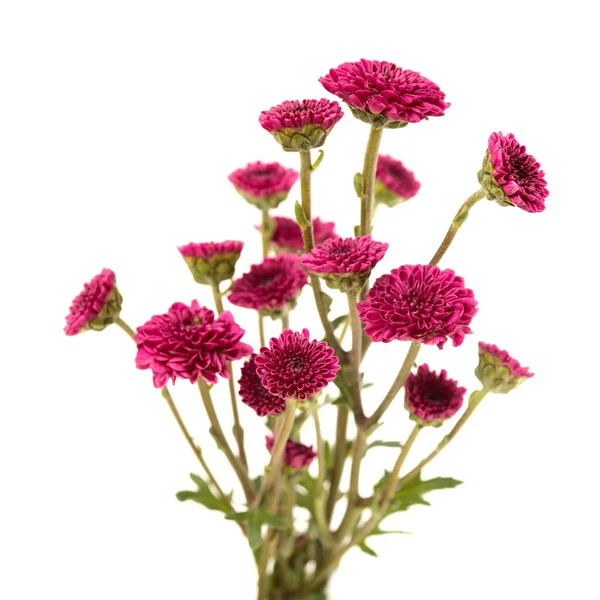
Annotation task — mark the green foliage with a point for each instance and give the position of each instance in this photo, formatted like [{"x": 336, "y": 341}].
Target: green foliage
[
  {"x": 254, "y": 519},
  {"x": 204, "y": 495},
  {"x": 300, "y": 215},
  {"x": 358, "y": 179},
  {"x": 367, "y": 549},
  {"x": 318, "y": 161},
  {"x": 339, "y": 321},
  {"x": 382, "y": 444}
]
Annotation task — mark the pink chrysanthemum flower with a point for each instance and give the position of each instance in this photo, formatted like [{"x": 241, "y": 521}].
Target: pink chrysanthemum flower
[
  {"x": 189, "y": 343},
  {"x": 211, "y": 262},
  {"x": 394, "y": 183},
  {"x": 384, "y": 95},
  {"x": 431, "y": 398},
  {"x": 255, "y": 395},
  {"x": 498, "y": 371},
  {"x": 512, "y": 177},
  {"x": 97, "y": 306},
  {"x": 345, "y": 264},
  {"x": 287, "y": 235},
  {"x": 295, "y": 367},
  {"x": 296, "y": 455},
  {"x": 271, "y": 287},
  {"x": 301, "y": 125},
  {"x": 265, "y": 185},
  {"x": 420, "y": 303}
]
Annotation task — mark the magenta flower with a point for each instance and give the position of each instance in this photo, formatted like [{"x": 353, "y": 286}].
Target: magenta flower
[
  {"x": 512, "y": 177},
  {"x": 295, "y": 367},
  {"x": 97, "y": 306},
  {"x": 265, "y": 185},
  {"x": 287, "y": 235},
  {"x": 419, "y": 303},
  {"x": 394, "y": 183},
  {"x": 498, "y": 371},
  {"x": 189, "y": 343},
  {"x": 384, "y": 95},
  {"x": 296, "y": 455},
  {"x": 211, "y": 262},
  {"x": 271, "y": 287},
  {"x": 345, "y": 264},
  {"x": 301, "y": 125},
  {"x": 431, "y": 397},
  {"x": 255, "y": 395}
]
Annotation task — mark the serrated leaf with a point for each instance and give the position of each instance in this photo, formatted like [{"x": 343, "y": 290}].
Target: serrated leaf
[
  {"x": 412, "y": 492},
  {"x": 367, "y": 549},
  {"x": 203, "y": 495},
  {"x": 382, "y": 444}
]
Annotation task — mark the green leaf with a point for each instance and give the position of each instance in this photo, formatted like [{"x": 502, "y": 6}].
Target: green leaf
[
  {"x": 367, "y": 549},
  {"x": 412, "y": 492},
  {"x": 203, "y": 495},
  {"x": 327, "y": 300},
  {"x": 300, "y": 215},
  {"x": 254, "y": 534},
  {"x": 318, "y": 161},
  {"x": 358, "y": 184},
  {"x": 338, "y": 321},
  {"x": 382, "y": 444}
]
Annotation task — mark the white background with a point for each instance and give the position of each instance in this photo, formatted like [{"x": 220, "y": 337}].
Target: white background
[{"x": 119, "y": 122}]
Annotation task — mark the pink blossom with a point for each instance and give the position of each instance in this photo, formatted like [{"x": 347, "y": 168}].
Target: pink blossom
[
  {"x": 498, "y": 371},
  {"x": 295, "y": 367},
  {"x": 394, "y": 182},
  {"x": 188, "y": 343},
  {"x": 211, "y": 262},
  {"x": 255, "y": 395},
  {"x": 296, "y": 455},
  {"x": 287, "y": 235},
  {"x": 420, "y": 303}
]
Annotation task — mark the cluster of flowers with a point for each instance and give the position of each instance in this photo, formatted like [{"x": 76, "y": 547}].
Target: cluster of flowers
[{"x": 421, "y": 303}]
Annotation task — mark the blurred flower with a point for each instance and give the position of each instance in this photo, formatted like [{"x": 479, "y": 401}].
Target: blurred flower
[
  {"x": 97, "y": 306},
  {"x": 301, "y": 125},
  {"x": 512, "y": 177},
  {"x": 287, "y": 235},
  {"x": 189, "y": 343},
  {"x": 498, "y": 371},
  {"x": 420, "y": 303},
  {"x": 384, "y": 95},
  {"x": 296, "y": 455},
  {"x": 394, "y": 183},
  {"x": 295, "y": 367}
]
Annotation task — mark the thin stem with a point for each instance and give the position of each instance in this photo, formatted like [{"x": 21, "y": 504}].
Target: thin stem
[
  {"x": 377, "y": 515},
  {"x": 268, "y": 544},
  {"x": 355, "y": 357},
  {"x": 222, "y": 442},
  {"x": 396, "y": 386},
  {"x": 474, "y": 400},
  {"x": 128, "y": 330},
  {"x": 285, "y": 322},
  {"x": 282, "y": 436},
  {"x": 368, "y": 181},
  {"x": 459, "y": 219},
  {"x": 238, "y": 430},
  {"x": 339, "y": 458},
  {"x": 261, "y": 330},
  {"x": 186, "y": 434},
  {"x": 353, "y": 510},
  {"x": 265, "y": 233},
  {"x": 320, "y": 519}
]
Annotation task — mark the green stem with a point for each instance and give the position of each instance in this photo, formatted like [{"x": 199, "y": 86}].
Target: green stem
[
  {"x": 474, "y": 400},
  {"x": 285, "y": 321},
  {"x": 368, "y": 181},
  {"x": 222, "y": 443},
  {"x": 459, "y": 219},
  {"x": 355, "y": 357},
  {"x": 320, "y": 518},
  {"x": 339, "y": 458},
  {"x": 186, "y": 434},
  {"x": 396, "y": 386},
  {"x": 282, "y": 435},
  {"x": 264, "y": 233},
  {"x": 261, "y": 330},
  {"x": 269, "y": 544},
  {"x": 238, "y": 430}
]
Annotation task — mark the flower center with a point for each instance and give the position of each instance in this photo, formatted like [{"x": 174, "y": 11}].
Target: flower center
[{"x": 296, "y": 364}]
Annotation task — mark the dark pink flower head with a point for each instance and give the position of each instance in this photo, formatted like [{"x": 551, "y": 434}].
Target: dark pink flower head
[
  {"x": 498, "y": 371},
  {"x": 432, "y": 397},
  {"x": 97, "y": 306},
  {"x": 345, "y": 264},
  {"x": 255, "y": 395},
  {"x": 394, "y": 183},
  {"x": 287, "y": 235},
  {"x": 265, "y": 185},
  {"x": 295, "y": 367},
  {"x": 296, "y": 455},
  {"x": 189, "y": 343},
  {"x": 270, "y": 287},
  {"x": 301, "y": 125},
  {"x": 420, "y": 303},
  {"x": 384, "y": 95},
  {"x": 211, "y": 262},
  {"x": 512, "y": 177}
]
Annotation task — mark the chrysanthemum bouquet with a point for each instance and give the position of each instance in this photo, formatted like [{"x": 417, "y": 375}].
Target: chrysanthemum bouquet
[{"x": 283, "y": 381}]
